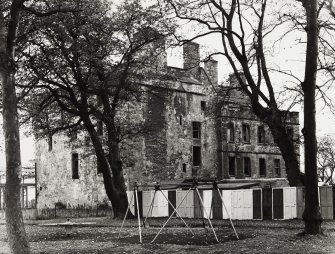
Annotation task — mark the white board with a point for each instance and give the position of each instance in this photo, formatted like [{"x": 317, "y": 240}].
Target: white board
[
  {"x": 290, "y": 202},
  {"x": 226, "y": 196},
  {"x": 185, "y": 207}
]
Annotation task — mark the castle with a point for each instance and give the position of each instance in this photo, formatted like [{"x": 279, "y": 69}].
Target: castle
[{"x": 189, "y": 136}]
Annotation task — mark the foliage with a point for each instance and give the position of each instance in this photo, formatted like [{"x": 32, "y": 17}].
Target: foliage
[{"x": 326, "y": 159}]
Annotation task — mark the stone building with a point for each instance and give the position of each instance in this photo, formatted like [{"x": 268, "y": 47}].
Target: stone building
[
  {"x": 246, "y": 149},
  {"x": 186, "y": 138},
  {"x": 181, "y": 142}
]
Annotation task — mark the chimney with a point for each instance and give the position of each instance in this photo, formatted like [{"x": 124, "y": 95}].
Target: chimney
[
  {"x": 211, "y": 69},
  {"x": 191, "y": 57}
]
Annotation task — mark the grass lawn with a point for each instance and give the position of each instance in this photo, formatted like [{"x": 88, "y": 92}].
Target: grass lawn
[{"x": 102, "y": 237}]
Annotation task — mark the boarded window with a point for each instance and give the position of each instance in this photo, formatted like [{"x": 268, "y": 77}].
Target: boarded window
[
  {"x": 276, "y": 163},
  {"x": 261, "y": 135},
  {"x": 230, "y": 132},
  {"x": 246, "y": 133},
  {"x": 196, "y": 156},
  {"x": 231, "y": 162},
  {"x": 262, "y": 167},
  {"x": 247, "y": 166},
  {"x": 75, "y": 166},
  {"x": 196, "y": 130}
]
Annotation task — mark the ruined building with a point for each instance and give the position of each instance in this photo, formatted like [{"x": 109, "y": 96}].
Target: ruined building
[{"x": 187, "y": 138}]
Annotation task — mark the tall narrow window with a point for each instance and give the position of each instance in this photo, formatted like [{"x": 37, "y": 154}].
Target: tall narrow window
[
  {"x": 231, "y": 166},
  {"x": 50, "y": 142},
  {"x": 276, "y": 163},
  {"x": 196, "y": 156},
  {"x": 184, "y": 167},
  {"x": 180, "y": 120},
  {"x": 203, "y": 105},
  {"x": 262, "y": 167},
  {"x": 196, "y": 129},
  {"x": 75, "y": 166},
  {"x": 230, "y": 132},
  {"x": 247, "y": 166},
  {"x": 289, "y": 131},
  {"x": 261, "y": 135},
  {"x": 246, "y": 133}
]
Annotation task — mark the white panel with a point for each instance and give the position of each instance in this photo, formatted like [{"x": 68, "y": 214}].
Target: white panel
[
  {"x": 160, "y": 206},
  {"x": 227, "y": 202},
  {"x": 186, "y": 208},
  {"x": 247, "y": 205},
  {"x": 290, "y": 202},
  {"x": 146, "y": 201},
  {"x": 131, "y": 200},
  {"x": 207, "y": 200}
]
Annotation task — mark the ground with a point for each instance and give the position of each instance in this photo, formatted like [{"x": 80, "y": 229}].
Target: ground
[{"x": 255, "y": 237}]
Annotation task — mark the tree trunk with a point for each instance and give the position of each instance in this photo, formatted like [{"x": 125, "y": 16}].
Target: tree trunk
[
  {"x": 121, "y": 199},
  {"x": 311, "y": 215},
  {"x": 113, "y": 184},
  {"x": 17, "y": 238}
]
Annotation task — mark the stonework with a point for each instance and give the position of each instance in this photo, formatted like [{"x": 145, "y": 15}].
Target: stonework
[{"x": 185, "y": 137}]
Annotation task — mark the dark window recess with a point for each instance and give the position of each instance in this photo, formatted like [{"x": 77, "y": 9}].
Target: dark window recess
[
  {"x": 289, "y": 131},
  {"x": 247, "y": 166},
  {"x": 50, "y": 143},
  {"x": 180, "y": 120},
  {"x": 74, "y": 134},
  {"x": 261, "y": 135},
  {"x": 230, "y": 132},
  {"x": 184, "y": 168},
  {"x": 276, "y": 163},
  {"x": 196, "y": 130},
  {"x": 231, "y": 169},
  {"x": 246, "y": 133},
  {"x": 262, "y": 167},
  {"x": 196, "y": 156},
  {"x": 75, "y": 166},
  {"x": 203, "y": 105}
]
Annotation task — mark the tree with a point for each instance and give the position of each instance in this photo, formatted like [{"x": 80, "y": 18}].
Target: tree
[
  {"x": 243, "y": 30},
  {"x": 326, "y": 159},
  {"x": 88, "y": 65},
  {"x": 10, "y": 16}
]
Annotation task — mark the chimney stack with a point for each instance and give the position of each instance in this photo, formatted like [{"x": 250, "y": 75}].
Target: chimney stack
[{"x": 191, "y": 57}]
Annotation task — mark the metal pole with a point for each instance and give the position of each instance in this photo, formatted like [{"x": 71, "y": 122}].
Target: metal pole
[
  {"x": 231, "y": 222},
  {"x": 125, "y": 215},
  {"x": 171, "y": 216},
  {"x": 177, "y": 212},
  {"x": 209, "y": 219},
  {"x": 138, "y": 213}
]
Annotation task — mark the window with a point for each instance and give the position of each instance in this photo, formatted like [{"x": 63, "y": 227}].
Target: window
[
  {"x": 50, "y": 142},
  {"x": 230, "y": 132},
  {"x": 289, "y": 131},
  {"x": 231, "y": 165},
  {"x": 180, "y": 120},
  {"x": 196, "y": 129},
  {"x": 203, "y": 105},
  {"x": 196, "y": 156},
  {"x": 262, "y": 167},
  {"x": 247, "y": 166},
  {"x": 261, "y": 135},
  {"x": 184, "y": 168},
  {"x": 75, "y": 166},
  {"x": 246, "y": 133},
  {"x": 276, "y": 163}
]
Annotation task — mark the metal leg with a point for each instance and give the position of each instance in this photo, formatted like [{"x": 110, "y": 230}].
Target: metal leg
[
  {"x": 138, "y": 215},
  {"x": 125, "y": 216},
  {"x": 175, "y": 211},
  {"x": 150, "y": 209},
  {"x": 209, "y": 219},
  {"x": 231, "y": 222},
  {"x": 171, "y": 216}
]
